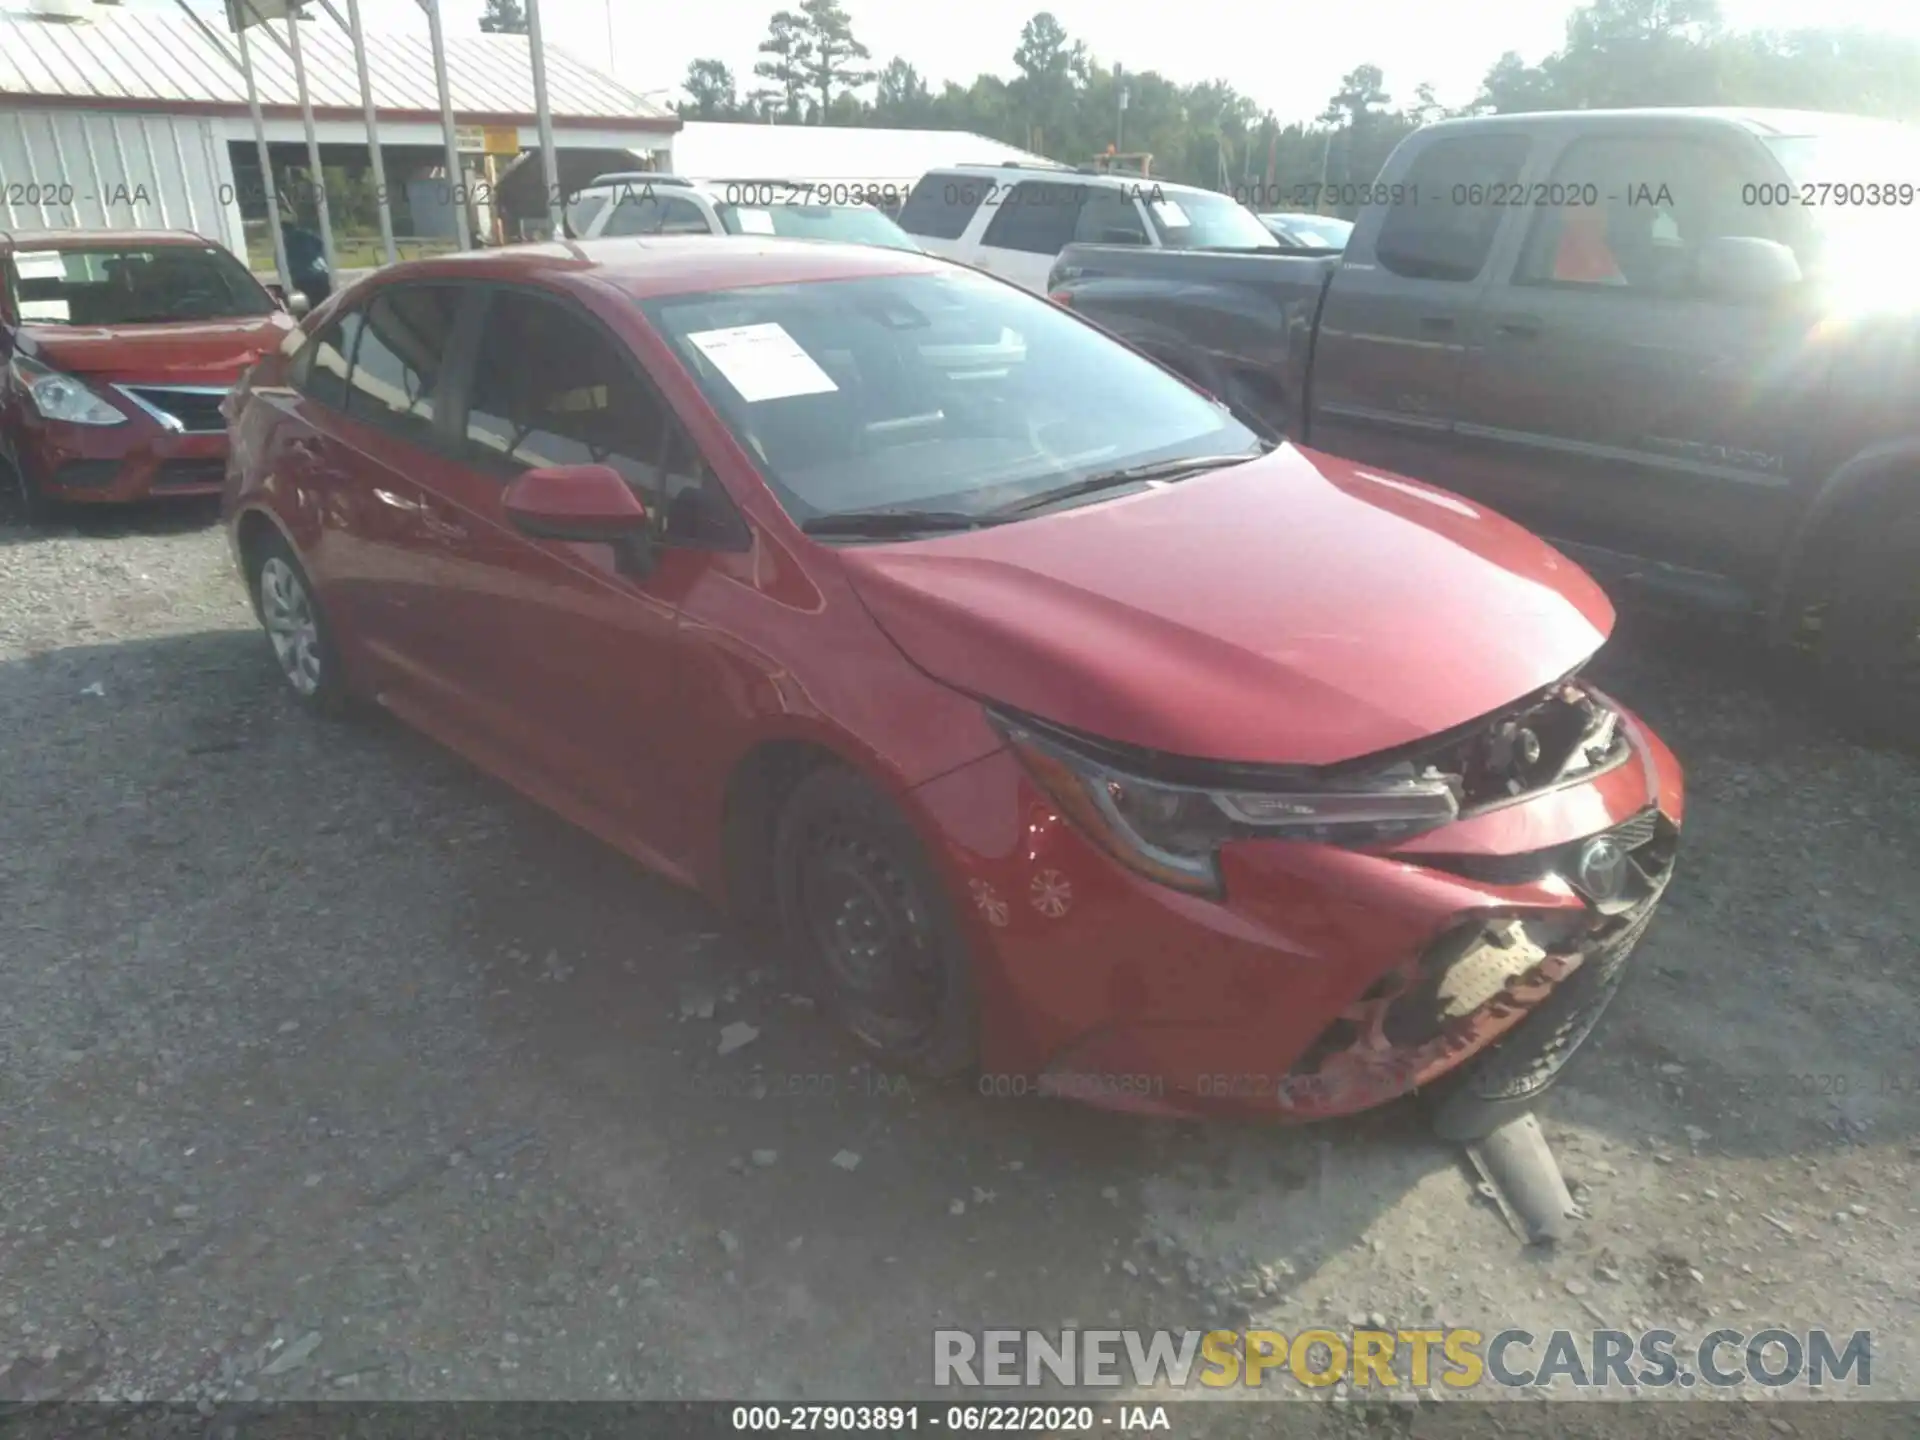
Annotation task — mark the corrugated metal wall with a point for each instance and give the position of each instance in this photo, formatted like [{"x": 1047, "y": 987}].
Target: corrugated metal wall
[{"x": 94, "y": 170}]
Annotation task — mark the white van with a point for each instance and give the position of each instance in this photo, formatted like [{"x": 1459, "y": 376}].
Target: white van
[{"x": 1014, "y": 220}]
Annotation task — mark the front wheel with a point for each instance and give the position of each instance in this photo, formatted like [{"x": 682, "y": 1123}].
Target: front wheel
[
  {"x": 858, "y": 898},
  {"x": 1870, "y": 635}
]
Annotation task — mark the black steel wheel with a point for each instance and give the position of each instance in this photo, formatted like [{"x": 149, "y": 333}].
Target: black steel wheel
[{"x": 860, "y": 903}]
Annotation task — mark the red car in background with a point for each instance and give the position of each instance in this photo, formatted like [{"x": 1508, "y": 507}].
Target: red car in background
[
  {"x": 1066, "y": 732},
  {"x": 116, "y": 351}
]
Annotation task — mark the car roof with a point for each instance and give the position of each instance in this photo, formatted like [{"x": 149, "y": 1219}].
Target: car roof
[
  {"x": 1067, "y": 174},
  {"x": 791, "y": 192},
  {"x": 100, "y": 239},
  {"x": 642, "y": 267},
  {"x": 1755, "y": 120}
]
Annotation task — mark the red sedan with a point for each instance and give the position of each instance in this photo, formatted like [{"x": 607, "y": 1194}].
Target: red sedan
[
  {"x": 1068, "y": 734},
  {"x": 116, "y": 351}
]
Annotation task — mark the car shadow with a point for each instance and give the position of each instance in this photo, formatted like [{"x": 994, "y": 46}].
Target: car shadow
[
  {"x": 175, "y": 516},
  {"x": 838, "y": 1213}
]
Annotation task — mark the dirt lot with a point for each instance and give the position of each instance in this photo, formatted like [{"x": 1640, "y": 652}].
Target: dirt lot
[{"x": 328, "y": 1067}]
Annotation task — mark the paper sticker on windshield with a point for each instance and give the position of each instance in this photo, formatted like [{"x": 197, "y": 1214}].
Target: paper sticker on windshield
[
  {"x": 755, "y": 222},
  {"x": 40, "y": 264},
  {"x": 1171, "y": 215},
  {"x": 763, "y": 362}
]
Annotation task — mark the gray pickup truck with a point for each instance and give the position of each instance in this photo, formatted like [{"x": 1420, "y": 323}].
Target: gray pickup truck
[{"x": 1682, "y": 344}]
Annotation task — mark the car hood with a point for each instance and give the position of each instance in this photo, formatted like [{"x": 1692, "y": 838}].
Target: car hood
[
  {"x": 192, "y": 351},
  {"x": 1295, "y": 610}
]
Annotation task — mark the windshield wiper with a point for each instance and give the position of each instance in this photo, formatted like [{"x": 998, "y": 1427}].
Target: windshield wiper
[
  {"x": 1130, "y": 475},
  {"x": 883, "y": 523}
]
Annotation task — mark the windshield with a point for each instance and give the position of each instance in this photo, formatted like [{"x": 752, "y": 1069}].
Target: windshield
[
  {"x": 852, "y": 224},
  {"x": 1203, "y": 220},
  {"x": 945, "y": 391},
  {"x": 80, "y": 285},
  {"x": 1326, "y": 230}
]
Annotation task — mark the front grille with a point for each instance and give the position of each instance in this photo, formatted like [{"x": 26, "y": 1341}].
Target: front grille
[
  {"x": 197, "y": 410},
  {"x": 88, "y": 473},
  {"x": 174, "y": 473},
  {"x": 1647, "y": 837}
]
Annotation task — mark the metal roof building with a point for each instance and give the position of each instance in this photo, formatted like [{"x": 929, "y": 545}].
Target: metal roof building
[
  {"x": 831, "y": 154},
  {"x": 121, "y": 118}
]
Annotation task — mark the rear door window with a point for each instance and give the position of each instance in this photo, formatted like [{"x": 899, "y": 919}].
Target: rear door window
[
  {"x": 396, "y": 370},
  {"x": 320, "y": 369},
  {"x": 942, "y": 205},
  {"x": 682, "y": 217},
  {"x": 1036, "y": 216},
  {"x": 1460, "y": 191},
  {"x": 636, "y": 212}
]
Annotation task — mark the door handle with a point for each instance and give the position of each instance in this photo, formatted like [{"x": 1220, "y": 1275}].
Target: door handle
[
  {"x": 437, "y": 523},
  {"x": 1519, "y": 327},
  {"x": 1436, "y": 324},
  {"x": 305, "y": 446}
]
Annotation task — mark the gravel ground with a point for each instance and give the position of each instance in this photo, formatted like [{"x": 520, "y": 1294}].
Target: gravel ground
[{"x": 330, "y": 1068}]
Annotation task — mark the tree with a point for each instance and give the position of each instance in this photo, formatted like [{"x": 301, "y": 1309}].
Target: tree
[
  {"x": 789, "y": 51},
  {"x": 901, "y": 97},
  {"x": 1051, "y": 70},
  {"x": 504, "y": 17},
  {"x": 1514, "y": 87},
  {"x": 710, "y": 92},
  {"x": 831, "y": 49}
]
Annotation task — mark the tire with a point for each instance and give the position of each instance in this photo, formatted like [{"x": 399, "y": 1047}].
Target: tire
[
  {"x": 296, "y": 629},
  {"x": 877, "y": 940},
  {"x": 1870, "y": 635}
]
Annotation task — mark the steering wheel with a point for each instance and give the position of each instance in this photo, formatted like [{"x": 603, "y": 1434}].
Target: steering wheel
[{"x": 181, "y": 301}]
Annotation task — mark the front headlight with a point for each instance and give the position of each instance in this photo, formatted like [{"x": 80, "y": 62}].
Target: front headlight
[
  {"x": 61, "y": 397},
  {"x": 1173, "y": 833}
]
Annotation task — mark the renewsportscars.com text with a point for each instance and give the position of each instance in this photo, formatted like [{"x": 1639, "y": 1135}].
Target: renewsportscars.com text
[{"x": 1459, "y": 1359}]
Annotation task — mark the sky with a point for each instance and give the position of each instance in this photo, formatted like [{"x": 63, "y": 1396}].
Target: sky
[{"x": 1289, "y": 59}]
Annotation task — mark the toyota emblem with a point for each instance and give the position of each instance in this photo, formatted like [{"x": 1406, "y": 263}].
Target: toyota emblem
[{"x": 1603, "y": 868}]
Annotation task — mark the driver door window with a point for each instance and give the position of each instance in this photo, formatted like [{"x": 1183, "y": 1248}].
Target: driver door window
[
  {"x": 1109, "y": 217},
  {"x": 551, "y": 388},
  {"x": 1655, "y": 202}
]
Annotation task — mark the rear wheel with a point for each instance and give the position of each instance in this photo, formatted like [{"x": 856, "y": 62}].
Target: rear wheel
[
  {"x": 297, "y": 629},
  {"x": 1870, "y": 634},
  {"x": 857, "y": 897}
]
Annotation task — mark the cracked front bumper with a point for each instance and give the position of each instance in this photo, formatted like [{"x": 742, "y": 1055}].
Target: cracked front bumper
[{"x": 1326, "y": 981}]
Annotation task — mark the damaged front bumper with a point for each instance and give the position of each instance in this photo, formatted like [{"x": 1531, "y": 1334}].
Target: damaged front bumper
[{"x": 1326, "y": 980}]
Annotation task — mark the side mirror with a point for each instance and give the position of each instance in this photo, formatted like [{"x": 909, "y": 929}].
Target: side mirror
[
  {"x": 587, "y": 504},
  {"x": 1745, "y": 267}
]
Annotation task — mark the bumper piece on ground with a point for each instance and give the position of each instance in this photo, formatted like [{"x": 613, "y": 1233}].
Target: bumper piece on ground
[{"x": 1518, "y": 1170}]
